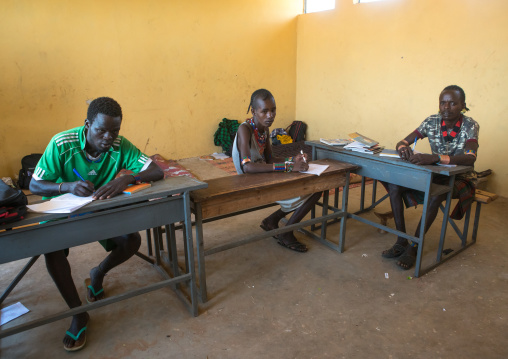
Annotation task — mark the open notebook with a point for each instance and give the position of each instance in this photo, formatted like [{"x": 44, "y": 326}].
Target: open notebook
[
  {"x": 66, "y": 203},
  {"x": 315, "y": 169}
]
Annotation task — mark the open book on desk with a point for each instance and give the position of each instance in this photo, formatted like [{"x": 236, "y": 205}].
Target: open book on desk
[
  {"x": 66, "y": 203},
  {"x": 315, "y": 169}
]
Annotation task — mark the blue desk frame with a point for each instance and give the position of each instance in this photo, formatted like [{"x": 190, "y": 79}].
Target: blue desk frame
[
  {"x": 166, "y": 202},
  {"x": 405, "y": 174}
]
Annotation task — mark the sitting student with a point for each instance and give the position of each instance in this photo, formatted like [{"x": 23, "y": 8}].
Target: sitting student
[
  {"x": 453, "y": 139},
  {"x": 97, "y": 153},
  {"x": 252, "y": 153}
]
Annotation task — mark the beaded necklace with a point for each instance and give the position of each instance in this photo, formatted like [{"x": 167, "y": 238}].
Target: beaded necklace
[
  {"x": 449, "y": 136},
  {"x": 260, "y": 137}
]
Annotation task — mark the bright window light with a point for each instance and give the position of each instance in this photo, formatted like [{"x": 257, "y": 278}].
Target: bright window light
[
  {"x": 319, "y": 5},
  {"x": 363, "y": 1}
]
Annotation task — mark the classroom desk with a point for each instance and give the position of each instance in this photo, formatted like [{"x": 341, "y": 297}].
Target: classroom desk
[
  {"x": 233, "y": 195},
  {"x": 166, "y": 201},
  {"x": 401, "y": 173}
]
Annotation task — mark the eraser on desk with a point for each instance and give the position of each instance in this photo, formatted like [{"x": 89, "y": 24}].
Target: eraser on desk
[{"x": 136, "y": 188}]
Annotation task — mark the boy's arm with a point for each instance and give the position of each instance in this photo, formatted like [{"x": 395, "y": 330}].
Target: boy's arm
[
  {"x": 49, "y": 189},
  {"x": 116, "y": 186}
]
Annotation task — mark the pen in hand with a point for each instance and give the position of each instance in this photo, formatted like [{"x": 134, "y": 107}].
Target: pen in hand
[
  {"x": 77, "y": 174},
  {"x": 304, "y": 160},
  {"x": 414, "y": 144}
]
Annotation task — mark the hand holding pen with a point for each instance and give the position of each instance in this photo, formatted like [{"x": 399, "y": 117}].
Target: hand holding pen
[
  {"x": 300, "y": 162},
  {"x": 82, "y": 188},
  {"x": 303, "y": 155}
]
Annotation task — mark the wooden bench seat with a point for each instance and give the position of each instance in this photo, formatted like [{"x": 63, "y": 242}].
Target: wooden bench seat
[{"x": 484, "y": 196}]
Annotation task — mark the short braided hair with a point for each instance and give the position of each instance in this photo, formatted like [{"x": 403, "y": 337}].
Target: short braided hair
[
  {"x": 104, "y": 105},
  {"x": 459, "y": 90},
  {"x": 262, "y": 94}
]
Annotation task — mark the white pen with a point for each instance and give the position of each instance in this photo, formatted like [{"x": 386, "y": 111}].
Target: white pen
[{"x": 304, "y": 160}]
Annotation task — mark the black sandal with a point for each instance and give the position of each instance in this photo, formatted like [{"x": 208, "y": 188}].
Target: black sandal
[
  {"x": 293, "y": 245},
  {"x": 395, "y": 251},
  {"x": 406, "y": 261}
]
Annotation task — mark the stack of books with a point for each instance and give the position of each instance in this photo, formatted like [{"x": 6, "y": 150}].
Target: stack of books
[
  {"x": 363, "y": 144},
  {"x": 336, "y": 141}
]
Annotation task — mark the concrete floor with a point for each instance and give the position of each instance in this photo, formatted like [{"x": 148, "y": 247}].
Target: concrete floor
[{"x": 269, "y": 302}]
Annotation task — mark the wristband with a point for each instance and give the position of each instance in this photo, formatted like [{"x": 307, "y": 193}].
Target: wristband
[
  {"x": 471, "y": 152},
  {"x": 407, "y": 143},
  {"x": 60, "y": 188},
  {"x": 289, "y": 159},
  {"x": 289, "y": 166},
  {"x": 245, "y": 160},
  {"x": 279, "y": 167}
]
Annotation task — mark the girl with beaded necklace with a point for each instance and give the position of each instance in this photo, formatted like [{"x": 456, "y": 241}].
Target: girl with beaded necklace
[{"x": 252, "y": 153}]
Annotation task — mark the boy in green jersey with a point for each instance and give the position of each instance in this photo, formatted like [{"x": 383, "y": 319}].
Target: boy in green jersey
[{"x": 96, "y": 152}]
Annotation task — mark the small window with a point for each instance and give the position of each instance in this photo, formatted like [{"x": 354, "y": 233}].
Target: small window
[{"x": 319, "y": 5}]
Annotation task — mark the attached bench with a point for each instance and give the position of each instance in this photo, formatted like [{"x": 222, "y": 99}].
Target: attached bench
[
  {"x": 234, "y": 195},
  {"x": 481, "y": 197}
]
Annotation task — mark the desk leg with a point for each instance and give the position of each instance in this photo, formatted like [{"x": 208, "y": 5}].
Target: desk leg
[
  {"x": 466, "y": 227},
  {"x": 476, "y": 220},
  {"x": 149, "y": 242},
  {"x": 172, "y": 251},
  {"x": 362, "y": 195},
  {"x": 446, "y": 215},
  {"x": 423, "y": 221},
  {"x": 184, "y": 229},
  {"x": 200, "y": 249},
  {"x": 190, "y": 254},
  {"x": 374, "y": 192},
  {"x": 345, "y": 197},
  {"x": 324, "y": 213},
  {"x": 157, "y": 242}
]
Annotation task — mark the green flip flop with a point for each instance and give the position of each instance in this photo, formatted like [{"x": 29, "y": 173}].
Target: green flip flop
[
  {"x": 88, "y": 285},
  {"x": 77, "y": 344}
]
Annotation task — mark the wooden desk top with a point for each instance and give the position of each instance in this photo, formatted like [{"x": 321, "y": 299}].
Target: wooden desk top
[{"x": 229, "y": 194}]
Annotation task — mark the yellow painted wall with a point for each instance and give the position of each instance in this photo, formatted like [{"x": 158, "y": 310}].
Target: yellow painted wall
[
  {"x": 176, "y": 68},
  {"x": 378, "y": 69}
]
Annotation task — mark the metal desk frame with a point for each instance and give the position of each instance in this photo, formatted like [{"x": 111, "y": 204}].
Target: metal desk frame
[
  {"x": 166, "y": 202},
  {"x": 405, "y": 174}
]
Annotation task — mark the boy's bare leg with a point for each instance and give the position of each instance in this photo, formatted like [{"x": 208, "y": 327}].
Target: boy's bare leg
[
  {"x": 126, "y": 247},
  {"x": 60, "y": 270}
]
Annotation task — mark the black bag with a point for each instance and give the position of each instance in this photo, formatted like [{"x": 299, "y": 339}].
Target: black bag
[
  {"x": 297, "y": 131},
  {"x": 28, "y": 164},
  {"x": 12, "y": 204}
]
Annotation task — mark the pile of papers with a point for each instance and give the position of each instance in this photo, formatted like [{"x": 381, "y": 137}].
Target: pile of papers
[
  {"x": 66, "y": 203},
  {"x": 363, "y": 144},
  {"x": 336, "y": 141},
  {"x": 360, "y": 147}
]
